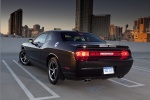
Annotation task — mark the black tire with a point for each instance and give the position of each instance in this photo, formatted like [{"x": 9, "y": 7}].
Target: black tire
[
  {"x": 54, "y": 71},
  {"x": 23, "y": 59}
]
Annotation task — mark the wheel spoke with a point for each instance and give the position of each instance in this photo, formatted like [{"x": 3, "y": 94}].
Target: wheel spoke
[
  {"x": 51, "y": 69},
  {"x": 51, "y": 76}
]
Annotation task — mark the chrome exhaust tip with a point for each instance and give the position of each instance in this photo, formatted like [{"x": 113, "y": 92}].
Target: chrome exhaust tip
[{"x": 86, "y": 80}]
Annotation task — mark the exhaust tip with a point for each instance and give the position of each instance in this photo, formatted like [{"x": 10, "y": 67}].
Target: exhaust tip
[
  {"x": 120, "y": 76},
  {"x": 86, "y": 80}
]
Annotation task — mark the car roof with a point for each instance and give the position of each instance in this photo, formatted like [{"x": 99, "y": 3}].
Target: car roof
[{"x": 58, "y": 31}]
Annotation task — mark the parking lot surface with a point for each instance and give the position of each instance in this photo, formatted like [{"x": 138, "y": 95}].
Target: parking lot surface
[{"x": 18, "y": 82}]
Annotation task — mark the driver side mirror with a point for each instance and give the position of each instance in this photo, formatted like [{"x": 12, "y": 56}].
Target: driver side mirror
[{"x": 30, "y": 40}]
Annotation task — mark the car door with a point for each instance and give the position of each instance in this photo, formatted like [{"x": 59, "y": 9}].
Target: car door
[
  {"x": 35, "y": 52},
  {"x": 45, "y": 50}
]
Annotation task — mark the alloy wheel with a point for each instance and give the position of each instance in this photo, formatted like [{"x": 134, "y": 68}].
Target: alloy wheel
[
  {"x": 53, "y": 71},
  {"x": 23, "y": 58}
]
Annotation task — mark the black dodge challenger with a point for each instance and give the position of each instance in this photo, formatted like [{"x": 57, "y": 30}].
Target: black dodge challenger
[{"x": 76, "y": 56}]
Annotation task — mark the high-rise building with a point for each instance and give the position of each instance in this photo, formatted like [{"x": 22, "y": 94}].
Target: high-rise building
[
  {"x": 141, "y": 30},
  {"x": 142, "y": 24},
  {"x": 101, "y": 25},
  {"x": 84, "y": 12},
  {"x": 87, "y": 22},
  {"x": 15, "y": 23}
]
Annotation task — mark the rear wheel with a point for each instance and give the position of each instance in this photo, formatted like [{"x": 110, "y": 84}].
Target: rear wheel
[
  {"x": 54, "y": 71},
  {"x": 23, "y": 58}
]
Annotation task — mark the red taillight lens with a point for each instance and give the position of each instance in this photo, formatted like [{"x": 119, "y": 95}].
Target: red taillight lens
[
  {"x": 105, "y": 53},
  {"x": 88, "y": 55},
  {"x": 124, "y": 54},
  {"x": 82, "y": 55}
]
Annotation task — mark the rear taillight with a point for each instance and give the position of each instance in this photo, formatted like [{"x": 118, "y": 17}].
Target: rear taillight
[
  {"x": 82, "y": 55},
  {"x": 85, "y": 55},
  {"x": 124, "y": 54},
  {"x": 104, "y": 53}
]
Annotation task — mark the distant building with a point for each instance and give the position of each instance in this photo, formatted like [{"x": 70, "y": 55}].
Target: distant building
[
  {"x": 32, "y": 32},
  {"x": 141, "y": 29},
  {"x": 74, "y": 29},
  {"x": 135, "y": 27},
  {"x": 26, "y": 31},
  {"x": 142, "y": 24},
  {"x": 128, "y": 35},
  {"x": 142, "y": 37},
  {"x": 101, "y": 25},
  {"x": 36, "y": 27},
  {"x": 116, "y": 33},
  {"x": 84, "y": 12},
  {"x": 15, "y": 23},
  {"x": 42, "y": 29},
  {"x": 36, "y": 30},
  {"x": 57, "y": 28}
]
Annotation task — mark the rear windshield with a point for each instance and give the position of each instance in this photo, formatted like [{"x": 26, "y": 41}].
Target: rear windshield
[{"x": 80, "y": 37}]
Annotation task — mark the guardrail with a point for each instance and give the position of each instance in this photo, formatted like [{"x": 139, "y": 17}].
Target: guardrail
[{"x": 12, "y": 45}]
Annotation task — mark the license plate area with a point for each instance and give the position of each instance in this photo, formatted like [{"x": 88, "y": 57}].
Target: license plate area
[{"x": 108, "y": 70}]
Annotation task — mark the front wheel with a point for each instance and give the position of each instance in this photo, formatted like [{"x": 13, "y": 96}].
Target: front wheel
[
  {"x": 23, "y": 58},
  {"x": 54, "y": 71}
]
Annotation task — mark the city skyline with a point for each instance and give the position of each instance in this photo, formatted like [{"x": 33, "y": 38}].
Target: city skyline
[{"x": 61, "y": 14}]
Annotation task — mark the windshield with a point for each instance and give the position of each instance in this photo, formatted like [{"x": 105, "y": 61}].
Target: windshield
[{"x": 80, "y": 37}]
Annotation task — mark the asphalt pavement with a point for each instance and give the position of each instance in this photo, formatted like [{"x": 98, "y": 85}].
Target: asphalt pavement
[{"x": 18, "y": 82}]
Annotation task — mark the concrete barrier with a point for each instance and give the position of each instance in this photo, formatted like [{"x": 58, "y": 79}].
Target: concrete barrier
[
  {"x": 134, "y": 46},
  {"x": 12, "y": 45}
]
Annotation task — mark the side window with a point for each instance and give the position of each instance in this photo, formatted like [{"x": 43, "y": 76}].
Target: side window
[
  {"x": 49, "y": 37},
  {"x": 41, "y": 38}
]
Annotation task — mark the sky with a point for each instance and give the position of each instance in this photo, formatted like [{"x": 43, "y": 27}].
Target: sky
[{"x": 52, "y": 14}]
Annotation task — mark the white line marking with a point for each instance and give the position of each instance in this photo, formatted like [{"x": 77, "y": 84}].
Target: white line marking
[
  {"x": 142, "y": 69},
  {"x": 43, "y": 85},
  {"x": 28, "y": 93},
  {"x": 141, "y": 61},
  {"x": 142, "y": 58},
  {"x": 129, "y": 86}
]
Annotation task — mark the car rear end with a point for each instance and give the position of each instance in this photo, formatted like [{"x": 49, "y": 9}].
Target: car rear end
[
  {"x": 92, "y": 57},
  {"x": 100, "y": 62}
]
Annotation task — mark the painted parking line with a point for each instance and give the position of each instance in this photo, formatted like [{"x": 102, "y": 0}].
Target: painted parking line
[
  {"x": 141, "y": 68},
  {"x": 27, "y": 92},
  {"x": 38, "y": 81},
  {"x": 142, "y": 61},
  {"x": 126, "y": 82},
  {"x": 142, "y": 57}
]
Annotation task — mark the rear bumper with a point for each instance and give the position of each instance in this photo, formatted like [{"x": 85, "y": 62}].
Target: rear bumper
[{"x": 94, "y": 69}]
